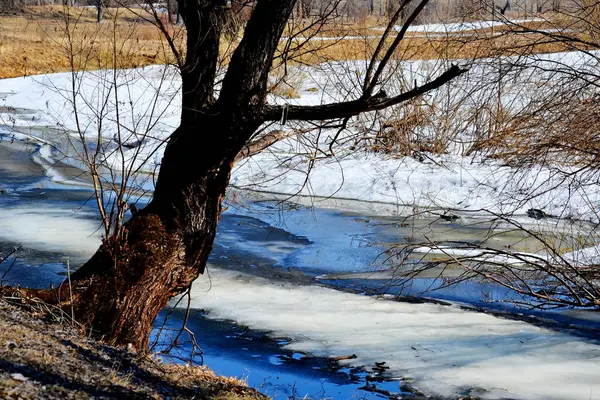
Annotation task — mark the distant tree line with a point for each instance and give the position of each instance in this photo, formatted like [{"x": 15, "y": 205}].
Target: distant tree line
[
  {"x": 437, "y": 10},
  {"x": 15, "y": 5},
  {"x": 352, "y": 9}
]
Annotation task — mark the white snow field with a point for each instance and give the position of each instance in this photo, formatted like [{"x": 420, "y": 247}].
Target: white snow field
[
  {"x": 149, "y": 112},
  {"x": 452, "y": 27},
  {"x": 444, "y": 349}
]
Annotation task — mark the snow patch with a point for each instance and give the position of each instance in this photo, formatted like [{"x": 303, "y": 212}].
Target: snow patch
[{"x": 49, "y": 229}]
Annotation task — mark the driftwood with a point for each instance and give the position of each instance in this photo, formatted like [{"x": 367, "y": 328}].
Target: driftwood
[{"x": 340, "y": 358}]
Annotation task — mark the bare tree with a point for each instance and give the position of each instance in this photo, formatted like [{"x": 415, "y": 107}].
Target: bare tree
[
  {"x": 164, "y": 247},
  {"x": 99, "y": 11}
]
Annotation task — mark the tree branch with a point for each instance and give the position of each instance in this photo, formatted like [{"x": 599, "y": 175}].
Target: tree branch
[
  {"x": 371, "y": 82},
  {"x": 352, "y": 108},
  {"x": 204, "y": 22},
  {"x": 163, "y": 29},
  {"x": 258, "y": 145},
  {"x": 388, "y": 29},
  {"x": 245, "y": 82}
]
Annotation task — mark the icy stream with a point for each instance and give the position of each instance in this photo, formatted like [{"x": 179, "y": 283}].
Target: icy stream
[{"x": 284, "y": 294}]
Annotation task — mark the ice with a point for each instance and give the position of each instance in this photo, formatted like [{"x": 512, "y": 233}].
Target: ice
[
  {"x": 148, "y": 103},
  {"x": 444, "y": 349},
  {"x": 50, "y": 228}
]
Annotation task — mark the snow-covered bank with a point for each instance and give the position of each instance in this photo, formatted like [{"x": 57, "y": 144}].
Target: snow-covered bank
[
  {"x": 149, "y": 112},
  {"x": 452, "y": 27},
  {"x": 449, "y": 182},
  {"x": 444, "y": 349}
]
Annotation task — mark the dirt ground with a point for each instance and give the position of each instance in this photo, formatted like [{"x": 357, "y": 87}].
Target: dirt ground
[{"x": 42, "y": 357}]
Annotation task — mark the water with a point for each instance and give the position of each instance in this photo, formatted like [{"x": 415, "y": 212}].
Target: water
[
  {"x": 279, "y": 241},
  {"x": 233, "y": 350}
]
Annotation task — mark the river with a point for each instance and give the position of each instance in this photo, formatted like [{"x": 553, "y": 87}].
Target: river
[{"x": 270, "y": 251}]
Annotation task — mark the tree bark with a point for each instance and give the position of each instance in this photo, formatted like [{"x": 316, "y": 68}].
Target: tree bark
[{"x": 119, "y": 292}]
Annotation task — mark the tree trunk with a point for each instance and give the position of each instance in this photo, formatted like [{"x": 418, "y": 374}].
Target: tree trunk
[
  {"x": 122, "y": 288},
  {"x": 99, "y": 10},
  {"x": 163, "y": 248}
]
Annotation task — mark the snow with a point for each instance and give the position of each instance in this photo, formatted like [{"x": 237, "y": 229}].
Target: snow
[
  {"x": 50, "y": 229},
  {"x": 462, "y": 26},
  {"x": 451, "y": 27},
  {"x": 450, "y": 181},
  {"x": 476, "y": 255},
  {"x": 443, "y": 348},
  {"x": 148, "y": 99},
  {"x": 584, "y": 257},
  {"x": 453, "y": 182}
]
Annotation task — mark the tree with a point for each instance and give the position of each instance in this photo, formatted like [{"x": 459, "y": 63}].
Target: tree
[
  {"x": 159, "y": 252},
  {"x": 99, "y": 11},
  {"x": 10, "y": 5}
]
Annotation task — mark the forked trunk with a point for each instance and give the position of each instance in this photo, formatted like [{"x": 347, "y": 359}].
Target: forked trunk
[{"x": 119, "y": 292}]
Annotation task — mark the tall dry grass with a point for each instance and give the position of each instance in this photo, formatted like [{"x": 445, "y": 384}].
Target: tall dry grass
[{"x": 38, "y": 41}]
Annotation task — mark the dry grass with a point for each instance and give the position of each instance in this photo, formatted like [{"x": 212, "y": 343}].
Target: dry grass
[
  {"x": 417, "y": 47},
  {"x": 41, "y": 39},
  {"x": 563, "y": 132},
  {"x": 43, "y": 359},
  {"x": 399, "y": 135}
]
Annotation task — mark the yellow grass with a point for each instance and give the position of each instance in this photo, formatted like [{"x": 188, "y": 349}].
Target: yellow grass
[
  {"x": 360, "y": 42},
  {"x": 42, "y": 39}
]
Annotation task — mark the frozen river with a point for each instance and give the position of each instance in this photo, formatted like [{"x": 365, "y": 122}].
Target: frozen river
[{"x": 291, "y": 288}]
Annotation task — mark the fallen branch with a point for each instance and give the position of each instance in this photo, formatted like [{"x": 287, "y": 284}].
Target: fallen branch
[{"x": 340, "y": 358}]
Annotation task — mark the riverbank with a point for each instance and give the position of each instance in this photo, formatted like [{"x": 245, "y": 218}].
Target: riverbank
[{"x": 42, "y": 357}]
